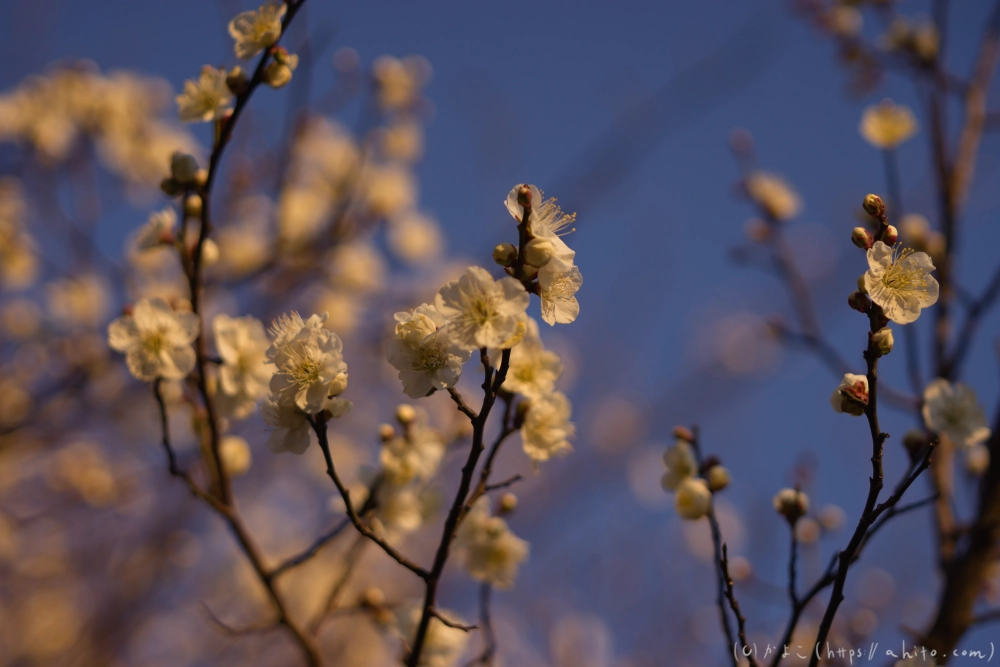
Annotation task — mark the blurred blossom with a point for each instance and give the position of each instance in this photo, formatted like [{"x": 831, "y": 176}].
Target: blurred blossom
[
  {"x": 698, "y": 535},
  {"x": 773, "y": 194},
  {"x": 15, "y": 403},
  {"x": 743, "y": 343},
  {"x": 206, "y": 98},
  {"x": 20, "y": 318},
  {"x": 807, "y": 530},
  {"x": 875, "y": 588},
  {"x": 887, "y": 125},
  {"x": 844, "y": 20},
  {"x": 581, "y": 640},
  {"x": 386, "y": 191},
  {"x": 402, "y": 140},
  {"x": 415, "y": 238},
  {"x": 864, "y": 622},
  {"x": 954, "y": 412},
  {"x": 235, "y": 453},
  {"x": 49, "y": 623},
  {"x": 615, "y": 423},
  {"x": 831, "y": 517},
  {"x": 399, "y": 82},
  {"x": 356, "y": 267},
  {"x": 81, "y": 301}
]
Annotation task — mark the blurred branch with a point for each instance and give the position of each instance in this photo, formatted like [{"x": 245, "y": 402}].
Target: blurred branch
[{"x": 486, "y": 623}]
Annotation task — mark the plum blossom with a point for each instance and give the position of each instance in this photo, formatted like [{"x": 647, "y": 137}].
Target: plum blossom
[
  {"x": 205, "y": 98},
  {"x": 693, "y": 499},
  {"x": 481, "y": 312},
  {"x": 309, "y": 360},
  {"x": 245, "y": 374},
  {"x": 899, "y": 280},
  {"x": 953, "y": 411},
  {"x": 156, "y": 340},
  {"x": 851, "y": 395},
  {"x": 547, "y": 429},
  {"x": 492, "y": 552},
  {"x": 415, "y": 455},
  {"x": 157, "y": 231},
  {"x": 886, "y": 125},
  {"x": 290, "y": 426},
  {"x": 424, "y": 352},
  {"x": 254, "y": 31},
  {"x": 681, "y": 464},
  {"x": 558, "y": 292},
  {"x": 773, "y": 194},
  {"x": 533, "y": 370}
]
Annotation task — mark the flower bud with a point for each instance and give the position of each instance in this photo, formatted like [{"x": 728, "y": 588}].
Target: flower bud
[
  {"x": 683, "y": 433},
  {"x": 338, "y": 385},
  {"x": 861, "y": 284},
  {"x": 539, "y": 252},
  {"x": 890, "y": 236},
  {"x": 192, "y": 206},
  {"x": 874, "y": 206},
  {"x": 373, "y": 597},
  {"x": 693, "y": 499},
  {"x": 859, "y": 302},
  {"x": 209, "y": 252},
  {"x": 883, "y": 340},
  {"x": 277, "y": 75},
  {"x": 861, "y": 238},
  {"x": 915, "y": 441},
  {"x": 718, "y": 478},
  {"x": 183, "y": 167},
  {"x": 282, "y": 56},
  {"x": 405, "y": 414},
  {"x": 524, "y": 196},
  {"x": 235, "y": 454},
  {"x": 236, "y": 81},
  {"x": 508, "y": 503},
  {"x": 201, "y": 178},
  {"x": 386, "y": 432},
  {"x": 791, "y": 504},
  {"x": 851, "y": 395},
  {"x": 505, "y": 254},
  {"x": 170, "y": 187},
  {"x": 530, "y": 272}
]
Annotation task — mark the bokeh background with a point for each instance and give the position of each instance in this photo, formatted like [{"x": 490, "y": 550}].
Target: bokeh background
[{"x": 623, "y": 111}]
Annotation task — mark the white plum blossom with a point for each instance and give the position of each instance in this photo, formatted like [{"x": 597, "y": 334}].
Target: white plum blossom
[
  {"x": 159, "y": 229},
  {"x": 309, "y": 360},
  {"x": 681, "y": 464},
  {"x": 482, "y": 312},
  {"x": 492, "y": 552},
  {"x": 953, "y": 411},
  {"x": 533, "y": 370},
  {"x": 547, "y": 221},
  {"x": 412, "y": 456},
  {"x": 290, "y": 426},
  {"x": 205, "y": 98},
  {"x": 254, "y": 31},
  {"x": 399, "y": 510},
  {"x": 851, "y": 395},
  {"x": 547, "y": 429},
  {"x": 773, "y": 194},
  {"x": 887, "y": 125},
  {"x": 156, "y": 340},
  {"x": 899, "y": 280},
  {"x": 245, "y": 374},
  {"x": 693, "y": 498},
  {"x": 558, "y": 289},
  {"x": 424, "y": 352}
]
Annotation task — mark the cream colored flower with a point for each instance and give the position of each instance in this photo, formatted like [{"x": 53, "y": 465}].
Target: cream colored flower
[
  {"x": 773, "y": 194},
  {"x": 235, "y": 454},
  {"x": 547, "y": 429},
  {"x": 681, "y": 464},
  {"x": 851, "y": 395},
  {"x": 791, "y": 504},
  {"x": 157, "y": 231},
  {"x": 254, "y": 31},
  {"x": 415, "y": 238},
  {"x": 887, "y": 125},
  {"x": 953, "y": 411},
  {"x": 289, "y": 427},
  {"x": 356, "y": 266},
  {"x": 547, "y": 222},
  {"x": 310, "y": 363},
  {"x": 900, "y": 281},
  {"x": 533, "y": 370},
  {"x": 156, "y": 341},
  {"x": 245, "y": 374},
  {"x": 424, "y": 352},
  {"x": 399, "y": 82},
  {"x": 558, "y": 286},
  {"x": 481, "y": 312},
  {"x": 492, "y": 553},
  {"x": 205, "y": 98},
  {"x": 414, "y": 455},
  {"x": 693, "y": 499}
]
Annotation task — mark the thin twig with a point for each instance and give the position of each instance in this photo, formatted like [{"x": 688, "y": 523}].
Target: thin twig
[{"x": 486, "y": 622}]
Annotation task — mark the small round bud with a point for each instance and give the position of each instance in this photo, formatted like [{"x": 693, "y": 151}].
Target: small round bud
[
  {"x": 338, "y": 385},
  {"x": 373, "y": 597},
  {"x": 201, "y": 177},
  {"x": 282, "y": 56},
  {"x": 209, "y": 253},
  {"x": 183, "y": 167},
  {"x": 505, "y": 254},
  {"x": 237, "y": 81},
  {"x": 508, "y": 503},
  {"x": 530, "y": 272},
  {"x": 539, "y": 252},
  {"x": 915, "y": 440},
  {"x": 874, "y": 206},
  {"x": 683, "y": 433},
  {"x": 170, "y": 187},
  {"x": 405, "y": 414},
  {"x": 192, "y": 206},
  {"x": 235, "y": 454},
  {"x": 791, "y": 504},
  {"x": 718, "y": 478},
  {"x": 386, "y": 432},
  {"x": 883, "y": 340},
  {"x": 277, "y": 75},
  {"x": 859, "y": 302},
  {"x": 861, "y": 284},
  {"x": 891, "y": 235},
  {"x": 524, "y": 196},
  {"x": 861, "y": 238},
  {"x": 693, "y": 499}
]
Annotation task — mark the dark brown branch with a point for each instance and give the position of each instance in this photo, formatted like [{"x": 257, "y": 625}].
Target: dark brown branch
[
  {"x": 452, "y": 624},
  {"x": 460, "y": 402},
  {"x": 510, "y": 481}
]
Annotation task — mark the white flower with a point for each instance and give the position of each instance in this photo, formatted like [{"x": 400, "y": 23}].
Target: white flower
[
  {"x": 693, "y": 499},
  {"x": 415, "y": 455},
  {"x": 424, "y": 353},
  {"x": 558, "y": 288},
  {"x": 851, "y": 395},
  {"x": 886, "y": 125},
  {"x": 415, "y": 238},
  {"x": 254, "y": 31},
  {"x": 245, "y": 374},
  {"x": 547, "y": 429},
  {"x": 547, "y": 222},
  {"x": 492, "y": 552},
  {"x": 900, "y": 281},
  {"x": 309, "y": 360},
  {"x": 356, "y": 266},
  {"x": 443, "y": 645},
  {"x": 681, "y": 464},
  {"x": 953, "y": 411},
  {"x": 157, "y": 231},
  {"x": 400, "y": 81},
  {"x": 399, "y": 510},
  {"x": 386, "y": 190},
  {"x": 533, "y": 370},
  {"x": 773, "y": 194},
  {"x": 206, "y": 98},
  {"x": 481, "y": 312},
  {"x": 156, "y": 341},
  {"x": 290, "y": 428}
]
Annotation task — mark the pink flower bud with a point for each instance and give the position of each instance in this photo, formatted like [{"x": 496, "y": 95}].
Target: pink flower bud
[
  {"x": 890, "y": 236},
  {"x": 874, "y": 206},
  {"x": 861, "y": 238}
]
